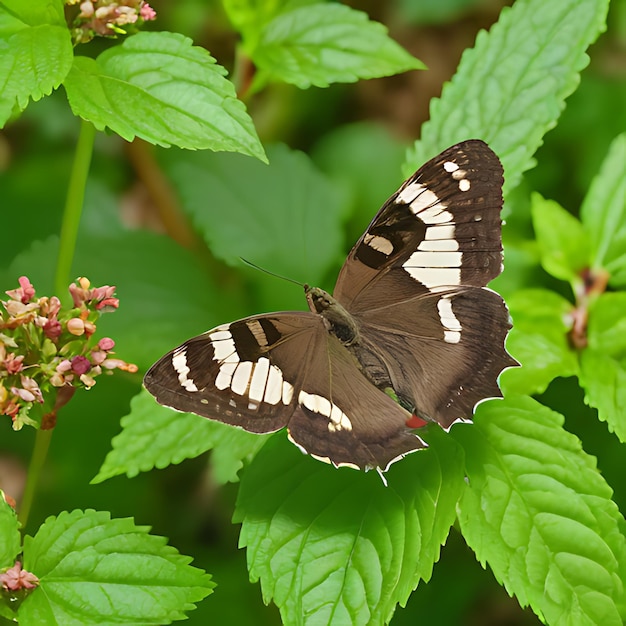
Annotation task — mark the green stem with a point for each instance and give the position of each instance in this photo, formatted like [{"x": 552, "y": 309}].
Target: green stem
[
  {"x": 37, "y": 461},
  {"x": 67, "y": 246},
  {"x": 74, "y": 206}
]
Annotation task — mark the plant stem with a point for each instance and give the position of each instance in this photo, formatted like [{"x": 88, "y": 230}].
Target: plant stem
[
  {"x": 74, "y": 206},
  {"x": 67, "y": 246},
  {"x": 37, "y": 460}
]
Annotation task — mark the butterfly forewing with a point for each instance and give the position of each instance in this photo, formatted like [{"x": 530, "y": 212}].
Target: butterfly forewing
[
  {"x": 284, "y": 369},
  {"x": 442, "y": 228}
]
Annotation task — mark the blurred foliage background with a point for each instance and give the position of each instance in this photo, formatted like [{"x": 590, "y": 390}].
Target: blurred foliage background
[{"x": 357, "y": 135}]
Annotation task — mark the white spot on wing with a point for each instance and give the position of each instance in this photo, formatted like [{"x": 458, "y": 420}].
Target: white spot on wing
[
  {"x": 464, "y": 185},
  {"x": 338, "y": 420},
  {"x": 274, "y": 386},
  {"x": 179, "y": 363},
  {"x": 259, "y": 379},
  {"x": 435, "y": 277},
  {"x": 409, "y": 193},
  {"x": 450, "y": 322},
  {"x": 378, "y": 243},
  {"x": 449, "y": 166},
  {"x": 435, "y": 214},
  {"x": 438, "y": 245},
  {"x": 434, "y": 259},
  {"x": 441, "y": 231},
  {"x": 287, "y": 392},
  {"x": 224, "y": 346},
  {"x": 225, "y": 375},
  {"x": 241, "y": 377}
]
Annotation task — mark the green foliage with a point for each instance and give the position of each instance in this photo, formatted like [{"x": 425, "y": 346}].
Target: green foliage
[
  {"x": 603, "y": 213},
  {"x": 97, "y": 570},
  {"x": 9, "y": 531},
  {"x": 338, "y": 546},
  {"x": 288, "y": 200},
  {"x": 160, "y": 87},
  {"x": 157, "y": 437},
  {"x": 511, "y": 100},
  {"x": 538, "y": 511},
  {"x": 327, "y": 545},
  {"x": 319, "y": 44}
]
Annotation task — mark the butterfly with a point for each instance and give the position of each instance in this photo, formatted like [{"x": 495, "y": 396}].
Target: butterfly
[{"x": 410, "y": 334}]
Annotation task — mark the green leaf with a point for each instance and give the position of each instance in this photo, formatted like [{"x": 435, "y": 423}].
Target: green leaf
[
  {"x": 604, "y": 381},
  {"x": 540, "y": 514},
  {"x": 36, "y": 12},
  {"x": 606, "y": 330},
  {"x": 284, "y": 217},
  {"x": 97, "y": 570},
  {"x": 563, "y": 243},
  {"x": 510, "y": 88},
  {"x": 539, "y": 341},
  {"x": 337, "y": 546},
  {"x": 10, "y": 540},
  {"x": 604, "y": 214},
  {"x": 160, "y": 87},
  {"x": 157, "y": 436},
  {"x": 320, "y": 44},
  {"x": 34, "y": 60},
  {"x": 250, "y": 16}
]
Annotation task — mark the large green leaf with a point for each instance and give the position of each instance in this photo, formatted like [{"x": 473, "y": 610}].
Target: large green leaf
[
  {"x": 285, "y": 216},
  {"x": 604, "y": 214},
  {"x": 156, "y": 436},
  {"x": 510, "y": 88},
  {"x": 161, "y": 88},
  {"x": 337, "y": 546},
  {"x": 539, "y": 513},
  {"x": 97, "y": 570},
  {"x": 35, "y": 56},
  {"x": 321, "y": 43}
]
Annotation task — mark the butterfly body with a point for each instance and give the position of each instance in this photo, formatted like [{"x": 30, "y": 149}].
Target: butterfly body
[{"x": 410, "y": 316}]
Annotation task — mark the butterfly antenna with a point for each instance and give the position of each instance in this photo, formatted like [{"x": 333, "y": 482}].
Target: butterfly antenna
[{"x": 262, "y": 269}]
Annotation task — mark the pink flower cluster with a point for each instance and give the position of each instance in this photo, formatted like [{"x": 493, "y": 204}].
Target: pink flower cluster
[
  {"x": 108, "y": 18},
  {"x": 16, "y": 578},
  {"x": 46, "y": 352}
]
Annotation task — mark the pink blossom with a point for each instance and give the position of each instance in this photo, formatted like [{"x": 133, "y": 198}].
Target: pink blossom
[
  {"x": 98, "y": 356},
  {"x": 147, "y": 13},
  {"x": 106, "y": 344},
  {"x": 80, "y": 365},
  {"x": 13, "y": 364},
  {"x": 76, "y": 326},
  {"x": 29, "y": 385},
  {"x": 108, "y": 304},
  {"x": 17, "y": 578},
  {"x": 86, "y": 9},
  {"x": 23, "y": 394},
  {"x": 52, "y": 329},
  {"x": 64, "y": 366},
  {"x": 25, "y": 292}
]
